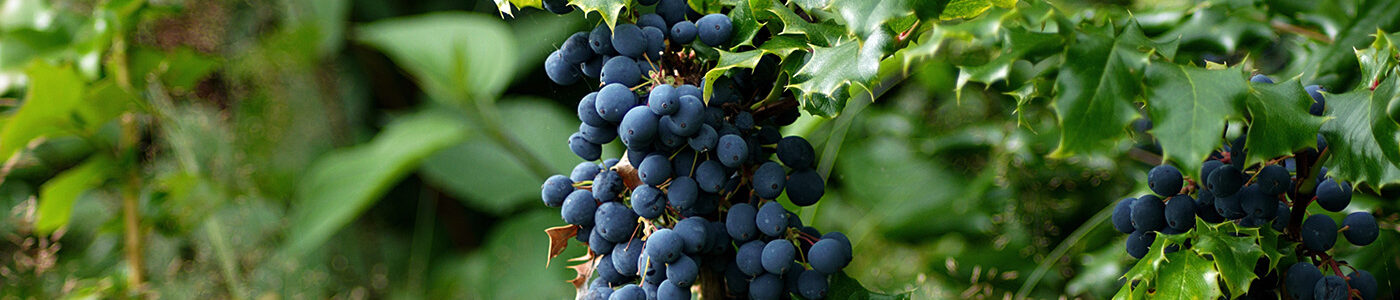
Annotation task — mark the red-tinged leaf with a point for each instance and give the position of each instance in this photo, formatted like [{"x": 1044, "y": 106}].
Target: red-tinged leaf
[{"x": 559, "y": 240}]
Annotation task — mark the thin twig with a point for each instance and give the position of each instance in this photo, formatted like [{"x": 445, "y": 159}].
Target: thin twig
[
  {"x": 1295, "y": 29},
  {"x": 1060, "y": 251},
  {"x": 130, "y": 202},
  {"x": 215, "y": 230}
]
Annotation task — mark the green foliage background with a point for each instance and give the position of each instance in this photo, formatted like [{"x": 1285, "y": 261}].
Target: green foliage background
[{"x": 388, "y": 149}]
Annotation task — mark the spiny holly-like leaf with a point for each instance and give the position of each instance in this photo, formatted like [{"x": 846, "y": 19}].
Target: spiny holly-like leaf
[
  {"x": 608, "y": 9},
  {"x": 1274, "y": 251},
  {"x": 1147, "y": 268},
  {"x": 1363, "y": 141},
  {"x": 967, "y": 9},
  {"x": 824, "y": 33},
  {"x": 1188, "y": 106},
  {"x": 1219, "y": 252},
  {"x": 1129, "y": 292},
  {"x": 1379, "y": 59},
  {"x": 842, "y": 286},
  {"x": 559, "y": 240},
  {"x": 780, "y": 46},
  {"x": 746, "y": 25},
  {"x": 825, "y": 81},
  {"x": 504, "y": 5},
  {"x": 53, "y": 98},
  {"x": 1337, "y": 58},
  {"x": 941, "y": 38},
  {"x": 811, "y": 5},
  {"x": 1279, "y": 121},
  {"x": 1234, "y": 256},
  {"x": 1094, "y": 91},
  {"x": 1187, "y": 276},
  {"x": 866, "y": 17},
  {"x": 1018, "y": 41}
]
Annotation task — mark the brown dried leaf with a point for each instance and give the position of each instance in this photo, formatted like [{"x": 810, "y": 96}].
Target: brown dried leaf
[
  {"x": 585, "y": 257},
  {"x": 584, "y": 270},
  {"x": 625, "y": 168},
  {"x": 558, "y": 240}
]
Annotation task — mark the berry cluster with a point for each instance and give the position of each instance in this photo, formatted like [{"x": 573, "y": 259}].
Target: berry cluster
[
  {"x": 1255, "y": 196},
  {"x": 630, "y": 54},
  {"x": 696, "y": 191}
]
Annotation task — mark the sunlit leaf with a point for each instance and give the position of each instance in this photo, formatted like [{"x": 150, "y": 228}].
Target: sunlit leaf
[{"x": 58, "y": 195}]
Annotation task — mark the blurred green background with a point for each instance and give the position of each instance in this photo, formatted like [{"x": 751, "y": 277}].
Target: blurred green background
[{"x": 394, "y": 149}]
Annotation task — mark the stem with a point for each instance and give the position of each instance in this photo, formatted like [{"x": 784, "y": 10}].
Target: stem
[
  {"x": 1295, "y": 29},
  {"x": 1060, "y": 251},
  {"x": 130, "y": 201},
  {"x": 1302, "y": 194},
  {"x": 132, "y": 234},
  {"x": 215, "y": 230},
  {"x": 711, "y": 284},
  {"x": 119, "y": 62},
  {"x": 487, "y": 116},
  {"x": 773, "y": 94}
]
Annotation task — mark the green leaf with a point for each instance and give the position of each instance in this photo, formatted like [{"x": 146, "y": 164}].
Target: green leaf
[
  {"x": 454, "y": 56},
  {"x": 1338, "y": 58},
  {"x": 1189, "y": 106},
  {"x": 608, "y": 9},
  {"x": 1363, "y": 142},
  {"x": 866, "y": 17},
  {"x": 780, "y": 46},
  {"x": 842, "y": 286},
  {"x": 504, "y": 5},
  {"x": 1018, "y": 42},
  {"x": 485, "y": 175},
  {"x": 1101, "y": 76},
  {"x": 58, "y": 195},
  {"x": 55, "y": 94},
  {"x": 1187, "y": 276},
  {"x": 1234, "y": 256},
  {"x": 978, "y": 33},
  {"x": 342, "y": 184},
  {"x": 1219, "y": 28},
  {"x": 1379, "y": 59},
  {"x": 827, "y": 80},
  {"x": 823, "y": 33},
  {"x": 1216, "y": 254},
  {"x": 746, "y": 25},
  {"x": 1279, "y": 121},
  {"x": 967, "y": 9},
  {"x": 19, "y": 47}
]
